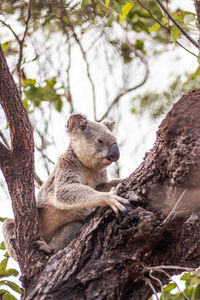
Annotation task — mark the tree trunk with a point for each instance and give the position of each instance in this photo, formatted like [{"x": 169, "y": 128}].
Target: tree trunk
[{"x": 123, "y": 256}]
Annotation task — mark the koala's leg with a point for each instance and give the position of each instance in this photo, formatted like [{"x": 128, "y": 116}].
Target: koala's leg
[
  {"x": 61, "y": 238},
  {"x": 9, "y": 237}
]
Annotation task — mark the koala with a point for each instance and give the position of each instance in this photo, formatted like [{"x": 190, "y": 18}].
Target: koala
[{"x": 77, "y": 185}]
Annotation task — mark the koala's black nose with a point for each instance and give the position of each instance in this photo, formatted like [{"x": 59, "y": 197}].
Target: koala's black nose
[{"x": 113, "y": 154}]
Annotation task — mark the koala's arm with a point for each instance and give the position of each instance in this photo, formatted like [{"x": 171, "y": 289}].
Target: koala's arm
[
  {"x": 107, "y": 186},
  {"x": 76, "y": 195}
]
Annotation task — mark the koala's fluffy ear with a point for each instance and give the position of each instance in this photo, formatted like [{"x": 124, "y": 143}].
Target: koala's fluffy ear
[
  {"x": 76, "y": 121},
  {"x": 109, "y": 124}
]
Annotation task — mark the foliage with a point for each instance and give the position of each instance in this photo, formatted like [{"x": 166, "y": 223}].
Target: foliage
[
  {"x": 48, "y": 92},
  {"x": 191, "y": 290},
  {"x": 4, "y": 273},
  {"x": 145, "y": 20},
  {"x": 157, "y": 104}
]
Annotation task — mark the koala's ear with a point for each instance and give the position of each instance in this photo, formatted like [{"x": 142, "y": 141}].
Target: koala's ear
[
  {"x": 109, "y": 124},
  {"x": 76, "y": 121}
]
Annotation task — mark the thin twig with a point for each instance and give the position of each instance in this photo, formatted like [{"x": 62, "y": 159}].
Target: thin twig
[
  {"x": 38, "y": 181},
  {"x": 175, "y": 206},
  {"x": 197, "y": 8},
  {"x": 152, "y": 288},
  {"x": 152, "y": 16},
  {"x": 11, "y": 29},
  {"x": 178, "y": 25},
  {"x": 88, "y": 72},
  {"x": 170, "y": 278},
  {"x": 117, "y": 98},
  {"x": 4, "y": 139},
  {"x": 21, "y": 45},
  {"x": 69, "y": 96},
  {"x": 166, "y": 28},
  {"x": 171, "y": 267}
]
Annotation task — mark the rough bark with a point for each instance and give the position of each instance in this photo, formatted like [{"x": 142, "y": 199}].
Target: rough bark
[
  {"x": 17, "y": 166},
  {"x": 115, "y": 256}
]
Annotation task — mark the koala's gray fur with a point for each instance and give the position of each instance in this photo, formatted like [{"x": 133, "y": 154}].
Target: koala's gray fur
[{"x": 77, "y": 184}]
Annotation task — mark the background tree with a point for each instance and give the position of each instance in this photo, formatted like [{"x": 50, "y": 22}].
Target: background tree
[{"x": 125, "y": 30}]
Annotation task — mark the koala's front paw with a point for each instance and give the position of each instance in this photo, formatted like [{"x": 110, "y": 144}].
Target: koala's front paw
[
  {"x": 116, "y": 202},
  {"x": 43, "y": 246}
]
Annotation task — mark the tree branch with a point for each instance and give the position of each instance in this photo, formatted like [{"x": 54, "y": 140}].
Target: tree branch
[
  {"x": 178, "y": 25},
  {"x": 19, "y": 174},
  {"x": 166, "y": 28}
]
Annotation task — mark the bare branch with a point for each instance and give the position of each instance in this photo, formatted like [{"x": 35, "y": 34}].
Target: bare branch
[
  {"x": 4, "y": 139},
  {"x": 4, "y": 154},
  {"x": 118, "y": 97},
  {"x": 197, "y": 8},
  {"x": 166, "y": 28},
  {"x": 38, "y": 181},
  {"x": 21, "y": 45},
  {"x": 88, "y": 72},
  {"x": 11, "y": 29},
  {"x": 175, "y": 206},
  {"x": 178, "y": 25},
  {"x": 69, "y": 95}
]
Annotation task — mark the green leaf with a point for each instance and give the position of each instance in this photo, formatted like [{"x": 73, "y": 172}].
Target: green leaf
[
  {"x": 154, "y": 27},
  {"x": 84, "y": 3},
  {"x": 58, "y": 105},
  {"x": 8, "y": 296},
  {"x": 125, "y": 10},
  {"x": 174, "y": 32},
  {"x": 8, "y": 273},
  {"x": 118, "y": 7},
  {"x": 197, "y": 292},
  {"x": 2, "y": 246},
  {"x": 3, "y": 264},
  {"x": 12, "y": 285},
  {"x": 5, "y": 45},
  {"x": 2, "y": 219},
  {"x": 107, "y": 2},
  {"x": 169, "y": 287},
  {"x": 110, "y": 21},
  {"x": 26, "y": 105}
]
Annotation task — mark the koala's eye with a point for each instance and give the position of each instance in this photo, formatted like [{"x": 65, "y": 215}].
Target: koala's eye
[{"x": 100, "y": 141}]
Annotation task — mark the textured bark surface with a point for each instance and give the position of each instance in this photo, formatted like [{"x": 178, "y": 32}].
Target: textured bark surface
[
  {"x": 115, "y": 256},
  {"x": 17, "y": 166}
]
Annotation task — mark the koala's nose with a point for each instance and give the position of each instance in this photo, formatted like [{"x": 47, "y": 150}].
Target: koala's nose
[{"x": 113, "y": 154}]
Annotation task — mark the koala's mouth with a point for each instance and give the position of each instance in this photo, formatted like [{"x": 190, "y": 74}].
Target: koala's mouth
[{"x": 106, "y": 162}]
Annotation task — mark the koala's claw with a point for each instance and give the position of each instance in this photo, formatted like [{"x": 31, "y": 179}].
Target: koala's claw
[
  {"x": 43, "y": 246},
  {"x": 116, "y": 202}
]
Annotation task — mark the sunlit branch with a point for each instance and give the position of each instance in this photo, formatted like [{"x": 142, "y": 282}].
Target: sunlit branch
[{"x": 178, "y": 25}]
